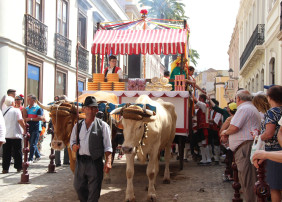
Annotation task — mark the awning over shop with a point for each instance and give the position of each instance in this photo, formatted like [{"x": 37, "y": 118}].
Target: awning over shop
[{"x": 166, "y": 41}]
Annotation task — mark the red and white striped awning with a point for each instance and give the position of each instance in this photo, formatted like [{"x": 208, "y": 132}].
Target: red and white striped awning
[{"x": 166, "y": 41}]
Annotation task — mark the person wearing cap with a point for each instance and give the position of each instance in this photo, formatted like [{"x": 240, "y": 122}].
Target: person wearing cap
[
  {"x": 90, "y": 143},
  {"x": 228, "y": 153},
  {"x": 246, "y": 118}
]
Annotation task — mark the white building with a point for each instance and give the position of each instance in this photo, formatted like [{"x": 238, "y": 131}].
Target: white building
[
  {"x": 258, "y": 24},
  {"x": 38, "y": 40}
]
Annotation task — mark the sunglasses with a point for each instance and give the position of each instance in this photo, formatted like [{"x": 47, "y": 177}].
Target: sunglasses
[{"x": 18, "y": 99}]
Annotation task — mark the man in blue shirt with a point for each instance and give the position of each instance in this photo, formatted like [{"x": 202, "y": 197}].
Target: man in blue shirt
[{"x": 34, "y": 115}]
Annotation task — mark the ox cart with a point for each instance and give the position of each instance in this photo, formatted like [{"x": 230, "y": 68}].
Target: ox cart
[{"x": 167, "y": 40}]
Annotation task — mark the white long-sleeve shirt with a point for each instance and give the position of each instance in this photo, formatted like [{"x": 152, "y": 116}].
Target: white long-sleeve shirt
[
  {"x": 84, "y": 138},
  {"x": 2, "y": 128}
]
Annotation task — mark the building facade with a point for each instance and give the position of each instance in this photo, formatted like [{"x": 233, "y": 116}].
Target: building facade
[
  {"x": 215, "y": 83},
  {"x": 259, "y": 46},
  {"x": 38, "y": 44}
]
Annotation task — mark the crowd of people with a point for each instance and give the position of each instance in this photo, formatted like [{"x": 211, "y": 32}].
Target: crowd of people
[
  {"x": 235, "y": 128},
  {"x": 13, "y": 120}
]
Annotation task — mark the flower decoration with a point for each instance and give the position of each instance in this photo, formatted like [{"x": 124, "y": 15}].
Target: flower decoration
[{"x": 144, "y": 12}]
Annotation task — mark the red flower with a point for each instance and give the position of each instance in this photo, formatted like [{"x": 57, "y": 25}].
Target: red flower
[{"x": 144, "y": 12}]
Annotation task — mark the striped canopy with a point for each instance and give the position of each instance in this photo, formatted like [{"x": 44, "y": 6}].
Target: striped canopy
[{"x": 166, "y": 41}]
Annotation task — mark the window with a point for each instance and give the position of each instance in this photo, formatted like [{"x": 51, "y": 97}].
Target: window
[
  {"x": 35, "y": 9},
  {"x": 262, "y": 79},
  {"x": 34, "y": 76},
  {"x": 80, "y": 87},
  {"x": 62, "y": 17},
  {"x": 272, "y": 71},
  {"x": 61, "y": 83},
  {"x": 81, "y": 32}
]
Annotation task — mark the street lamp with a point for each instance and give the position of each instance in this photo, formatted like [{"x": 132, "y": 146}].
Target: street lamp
[{"x": 230, "y": 71}]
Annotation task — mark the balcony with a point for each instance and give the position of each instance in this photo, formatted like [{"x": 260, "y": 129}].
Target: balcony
[
  {"x": 36, "y": 34},
  {"x": 83, "y": 58},
  {"x": 257, "y": 38},
  {"x": 62, "y": 49}
]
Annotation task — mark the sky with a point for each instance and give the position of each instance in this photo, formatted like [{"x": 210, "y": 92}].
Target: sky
[{"x": 211, "y": 25}]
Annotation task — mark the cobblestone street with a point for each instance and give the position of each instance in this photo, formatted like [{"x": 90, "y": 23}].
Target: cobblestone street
[{"x": 194, "y": 183}]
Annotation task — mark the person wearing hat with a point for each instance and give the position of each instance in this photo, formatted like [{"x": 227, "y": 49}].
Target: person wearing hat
[{"x": 90, "y": 143}]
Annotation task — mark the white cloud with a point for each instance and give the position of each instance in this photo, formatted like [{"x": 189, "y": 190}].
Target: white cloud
[{"x": 211, "y": 24}]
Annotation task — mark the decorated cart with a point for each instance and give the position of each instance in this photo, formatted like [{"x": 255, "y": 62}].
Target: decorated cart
[{"x": 153, "y": 38}]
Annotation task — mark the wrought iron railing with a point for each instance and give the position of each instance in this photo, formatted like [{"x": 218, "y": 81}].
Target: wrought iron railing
[
  {"x": 83, "y": 58},
  {"x": 36, "y": 34},
  {"x": 62, "y": 48},
  {"x": 257, "y": 38}
]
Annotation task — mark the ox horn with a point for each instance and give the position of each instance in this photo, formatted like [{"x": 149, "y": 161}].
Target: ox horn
[
  {"x": 115, "y": 111},
  {"x": 149, "y": 112},
  {"x": 46, "y": 107}
]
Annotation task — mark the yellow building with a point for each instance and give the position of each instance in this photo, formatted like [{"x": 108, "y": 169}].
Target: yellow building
[
  {"x": 220, "y": 92},
  {"x": 215, "y": 82}
]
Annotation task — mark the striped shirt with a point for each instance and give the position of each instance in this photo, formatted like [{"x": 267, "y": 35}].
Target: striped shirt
[{"x": 246, "y": 118}]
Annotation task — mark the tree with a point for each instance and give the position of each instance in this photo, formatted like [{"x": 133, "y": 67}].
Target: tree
[
  {"x": 165, "y": 9},
  {"x": 193, "y": 56},
  {"x": 169, "y": 9}
]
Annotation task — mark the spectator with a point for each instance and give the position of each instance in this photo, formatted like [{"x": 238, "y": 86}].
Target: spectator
[
  {"x": 2, "y": 130},
  {"x": 42, "y": 129},
  {"x": 241, "y": 140},
  {"x": 261, "y": 103},
  {"x": 269, "y": 135},
  {"x": 19, "y": 102},
  {"x": 15, "y": 127},
  {"x": 279, "y": 135},
  {"x": 228, "y": 153},
  {"x": 34, "y": 115},
  {"x": 10, "y": 92}
]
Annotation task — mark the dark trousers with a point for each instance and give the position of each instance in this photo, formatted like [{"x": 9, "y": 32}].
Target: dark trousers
[
  {"x": 14, "y": 145},
  {"x": 194, "y": 142},
  {"x": 33, "y": 140},
  {"x": 88, "y": 178}
]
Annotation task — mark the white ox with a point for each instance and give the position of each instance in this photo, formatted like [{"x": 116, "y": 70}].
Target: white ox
[{"x": 160, "y": 134}]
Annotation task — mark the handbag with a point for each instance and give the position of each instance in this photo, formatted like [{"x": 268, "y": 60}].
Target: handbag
[{"x": 258, "y": 144}]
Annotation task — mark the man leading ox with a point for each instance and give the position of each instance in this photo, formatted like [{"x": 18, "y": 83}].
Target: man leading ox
[{"x": 94, "y": 139}]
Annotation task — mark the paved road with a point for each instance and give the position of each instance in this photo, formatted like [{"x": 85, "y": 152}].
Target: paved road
[{"x": 194, "y": 183}]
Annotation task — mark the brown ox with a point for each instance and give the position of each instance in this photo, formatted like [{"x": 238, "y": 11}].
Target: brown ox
[
  {"x": 146, "y": 134},
  {"x": 64, "y": 116}
]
